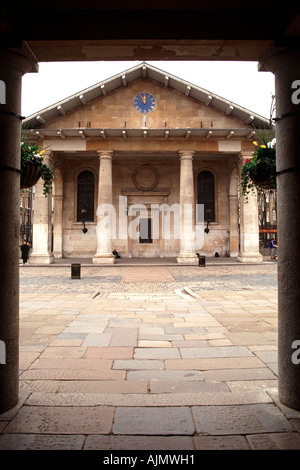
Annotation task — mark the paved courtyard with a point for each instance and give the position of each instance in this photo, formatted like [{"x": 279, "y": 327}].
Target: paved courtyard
[{"x": 149, "y": 358}]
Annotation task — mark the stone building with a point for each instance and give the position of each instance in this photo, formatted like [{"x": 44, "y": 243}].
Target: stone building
[
  {"x": 267, "y": 219},
  {"x": 147, "y": 164},
  {"x": 26, "y": 215}
]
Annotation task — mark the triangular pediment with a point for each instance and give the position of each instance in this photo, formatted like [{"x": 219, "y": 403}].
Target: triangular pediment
[{"x": 177, "y": 105}]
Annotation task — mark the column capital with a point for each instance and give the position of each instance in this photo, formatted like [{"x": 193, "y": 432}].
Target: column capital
[
  {"x": 49, "y": 157},
  {"x": 279, "y": 58},
  {"x": 245, "y": 155},
  {"x": 20, "y": 58},
  {"x": 186, "y": 154},
  {"x": 105, "y": 154}
]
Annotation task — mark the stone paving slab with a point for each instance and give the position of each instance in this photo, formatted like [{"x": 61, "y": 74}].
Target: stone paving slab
[
  {"x": 221, "y": 443},
  {"x": 96, "y": 339},
  {"x": 62, "y": 420},
  {"x": 136, "y": 364},
  {"x": 103, "y": 386},
  {"x": 156, "y": 353},
  {"x": 55, "y": 363},
  {"x": 241, "y": 375},
  {"x": 186, "y": 399},
  {"x": 72, "y": 374},
  {"x": 188, "y": 386},
  {"x": 276, "y": 441},
  {"x": 41, "y": 442},
  {"x": 112, "y": 352},
  {"x": 214, "y": 363},
  {"x": 148, "y": 274},
  {"x": 249, "y": 419},
  {"x": 86, "y": 386},
  {"x": 222, "y": 351},
  {"x": 179, "y": 357},
  {"x": 164, "y": 375},
  {"x": 153, "y": 421},
  {"x": 139, "y": 443}
]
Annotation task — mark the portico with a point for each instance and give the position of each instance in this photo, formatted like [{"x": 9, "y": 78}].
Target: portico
[
  {"x": 148, "y": 188},
  {"x": 28, "y": 37}
]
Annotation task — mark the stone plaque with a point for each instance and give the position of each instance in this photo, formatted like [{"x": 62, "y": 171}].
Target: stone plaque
[{"x": 145, "y": 177}]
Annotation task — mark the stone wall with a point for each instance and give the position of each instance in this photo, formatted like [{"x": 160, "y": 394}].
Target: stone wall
[{"x": 131, "y": 175}]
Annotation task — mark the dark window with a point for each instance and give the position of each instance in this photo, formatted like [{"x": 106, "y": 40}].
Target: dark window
[
  {"x": 206, "y": 194},
  {"x": 146, "y": 230},
  {"x": 85, "y": 196}
]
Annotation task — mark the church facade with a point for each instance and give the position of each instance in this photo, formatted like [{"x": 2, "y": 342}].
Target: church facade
[{"x": 146, "y": 164}]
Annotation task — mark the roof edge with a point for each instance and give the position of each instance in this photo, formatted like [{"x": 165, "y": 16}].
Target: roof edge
[{"x": 38, "y": 119}]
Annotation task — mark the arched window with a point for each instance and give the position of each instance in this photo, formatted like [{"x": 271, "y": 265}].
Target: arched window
[
  {"x": 85, "y": 196},
  {"x": 206, "y": 194}
]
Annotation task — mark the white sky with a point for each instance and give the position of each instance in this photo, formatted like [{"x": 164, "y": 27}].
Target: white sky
[{"x": 239, "y": 82}]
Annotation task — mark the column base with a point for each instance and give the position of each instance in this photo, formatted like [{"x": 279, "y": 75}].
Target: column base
[
  {"x": 234, "y": 254},
  {"x": 41, "y": 259},
  {"x": 250, "y": 258},
  {"x": 105, "y": 258},
  {"x": 187, "y": 258}
]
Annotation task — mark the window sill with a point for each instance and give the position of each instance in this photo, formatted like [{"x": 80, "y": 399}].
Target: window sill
[
  {"x": 205, "y": 223},
  {"x": 77, "y": 225}
]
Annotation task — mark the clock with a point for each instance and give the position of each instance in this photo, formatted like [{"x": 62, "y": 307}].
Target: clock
[{"x": 144, "y": 103}]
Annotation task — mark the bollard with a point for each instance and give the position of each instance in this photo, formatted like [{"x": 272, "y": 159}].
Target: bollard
[
  {"x": 75, "y": 271},
  {"x": 201, "y": 260}
]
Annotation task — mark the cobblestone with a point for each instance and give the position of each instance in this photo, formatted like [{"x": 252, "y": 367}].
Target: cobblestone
[{"x": 99, "y": 280}]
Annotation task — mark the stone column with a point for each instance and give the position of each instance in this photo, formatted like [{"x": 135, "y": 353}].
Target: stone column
[
  {"x": 13, "y": 64},
  {"x": 249, "y": 228},
  {"x": 58, "y": 226},
  {"x": 234, "y": 228},
  {"x": 233, "y": 214},
  {"x": 286, "y": 67},
  {"x": 42, "y": 230},
  {"x": 105, "y": 212},
  {"x": 58, "y": 215},
  {"x": 187, "y": 253}
]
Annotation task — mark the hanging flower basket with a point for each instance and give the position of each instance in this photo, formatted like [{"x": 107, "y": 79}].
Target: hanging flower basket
[
  {"x": 30, "y": 174},
  {"x": 263, "y": 176},
  {"x": 33, "y": 168},
  {"x": 260, "y": 170}
]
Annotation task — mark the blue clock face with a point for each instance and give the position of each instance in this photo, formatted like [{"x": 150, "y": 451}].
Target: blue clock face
[{"x": 144, "y": 103}]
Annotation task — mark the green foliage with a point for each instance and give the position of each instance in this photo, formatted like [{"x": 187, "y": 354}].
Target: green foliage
[
  {"x": 33, "y": 155},
  {"x": 260, "y": 170}
]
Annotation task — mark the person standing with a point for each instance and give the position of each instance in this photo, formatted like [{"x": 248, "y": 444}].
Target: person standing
[
  {"x": 25, "y": 252},
  {"x": 273, "y": 246}
]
